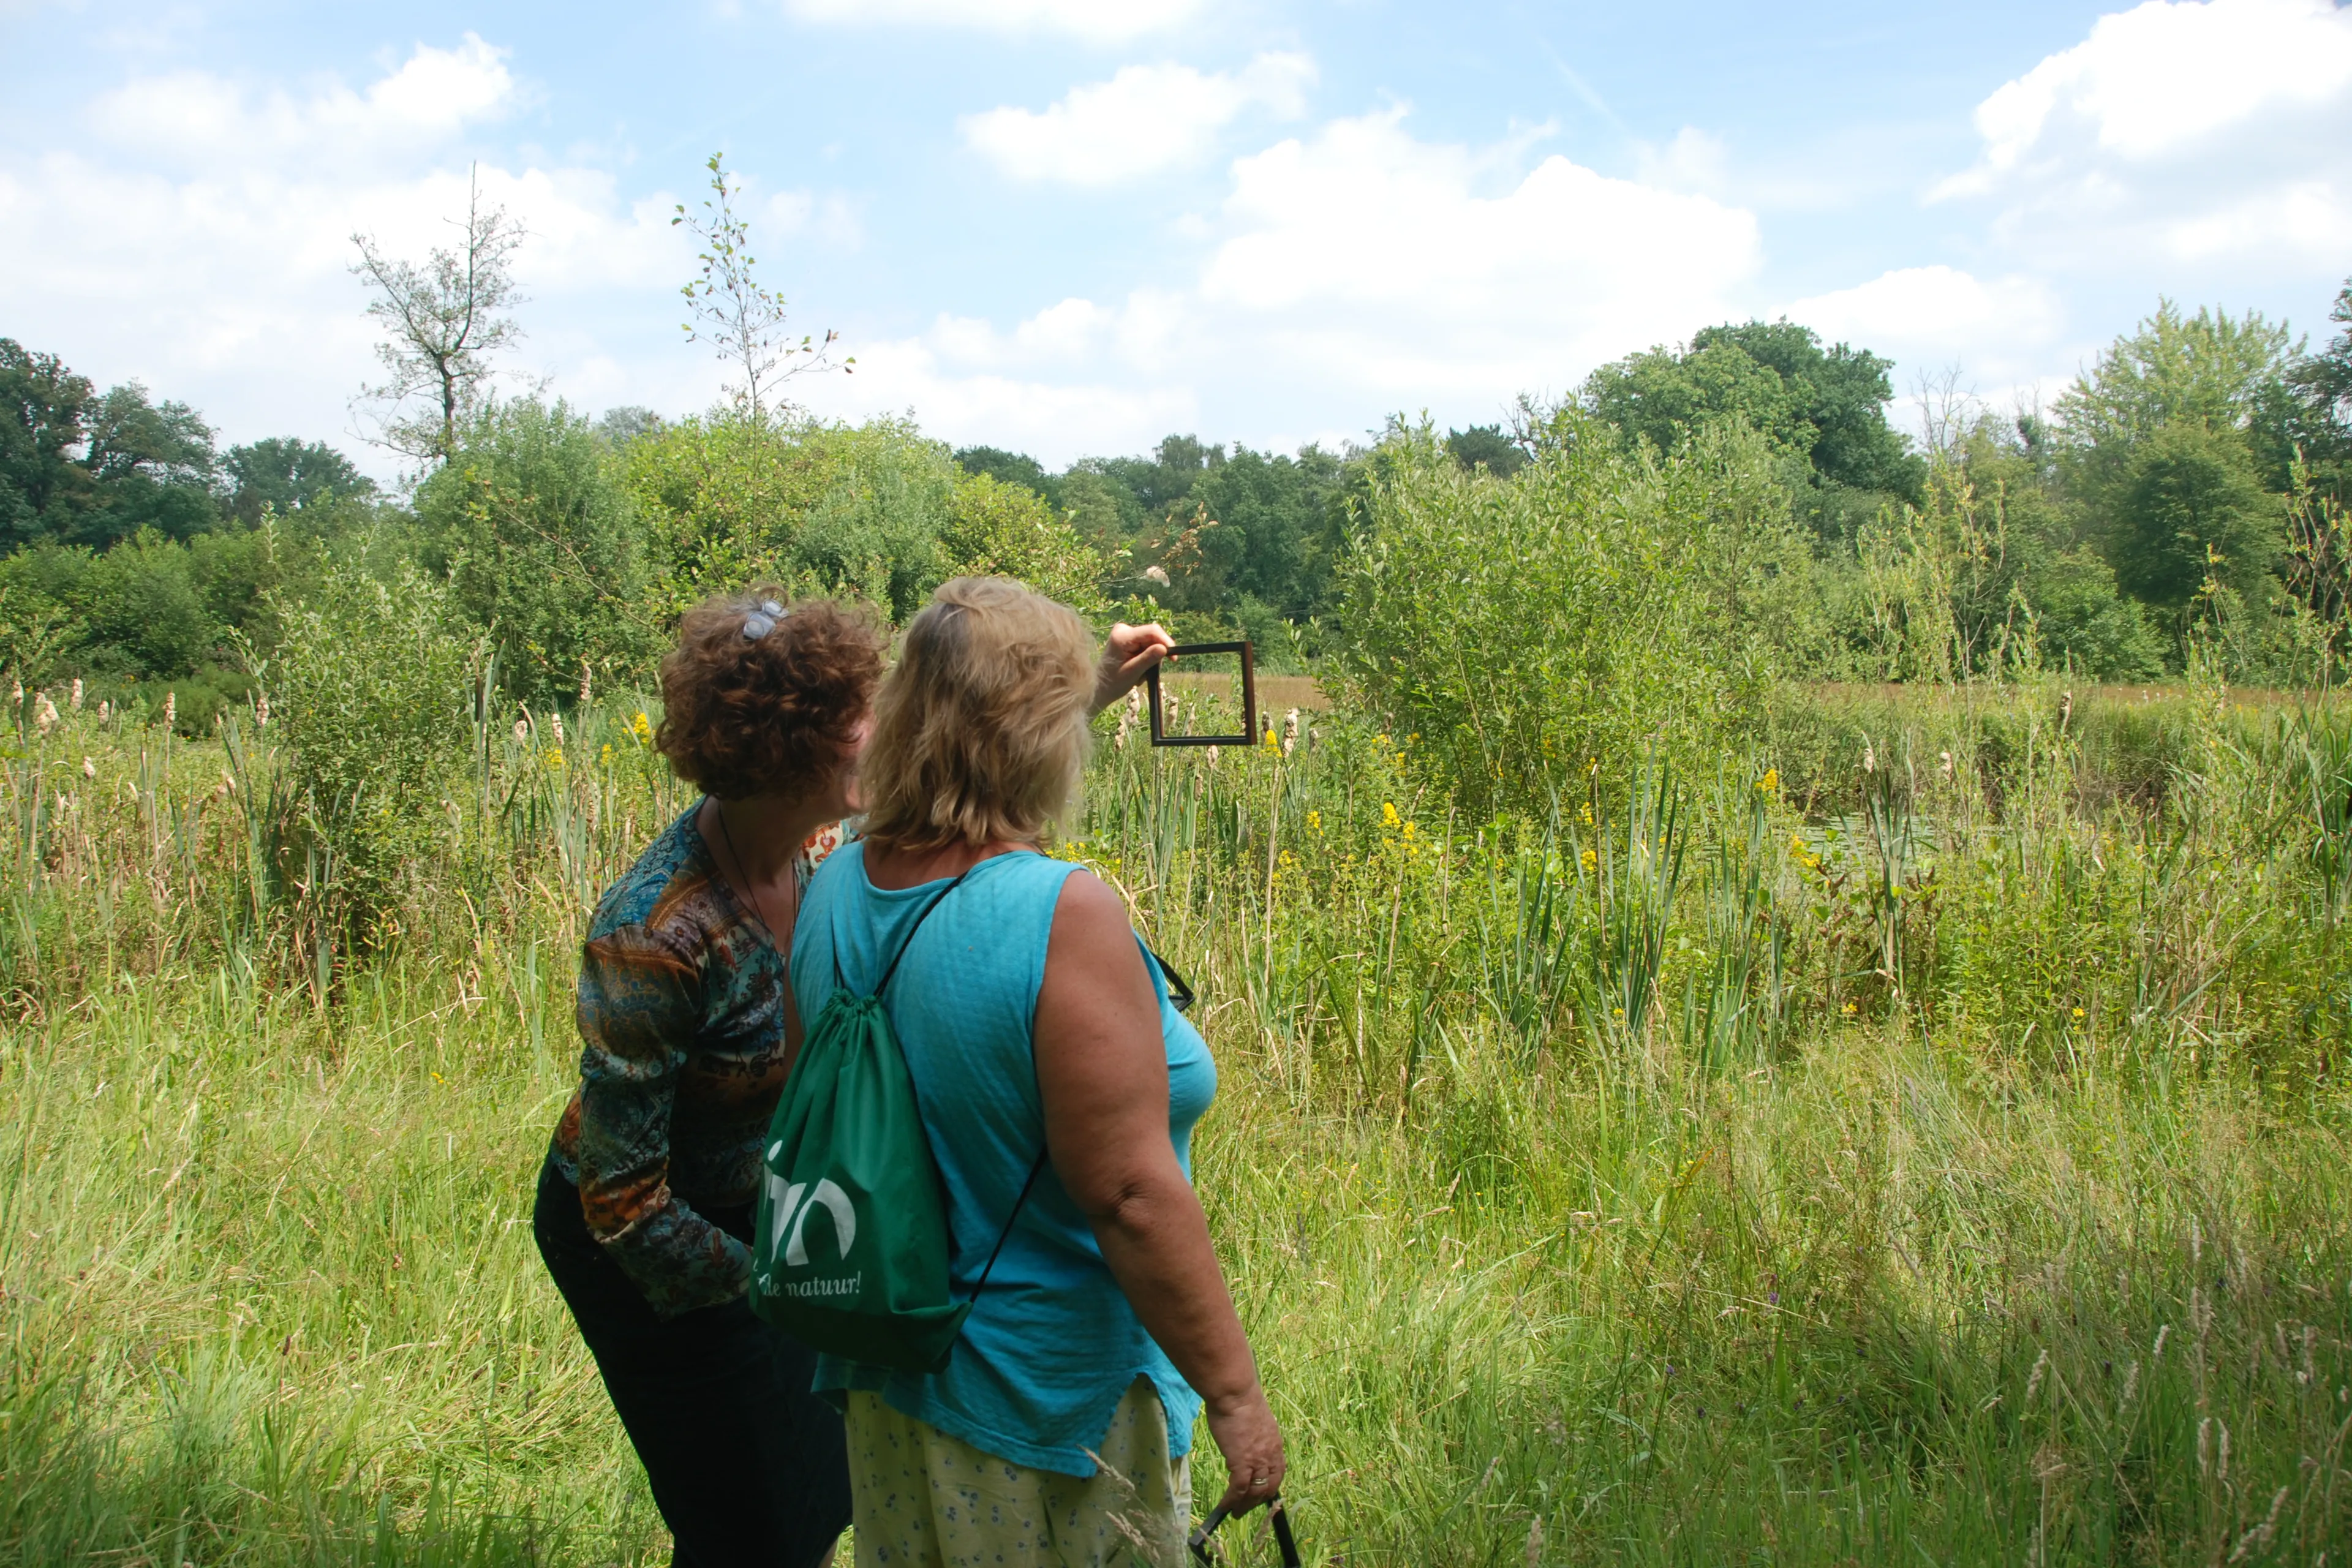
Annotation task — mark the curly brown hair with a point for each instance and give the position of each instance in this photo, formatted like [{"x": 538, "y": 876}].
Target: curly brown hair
[{"x": 745, "y": 715}]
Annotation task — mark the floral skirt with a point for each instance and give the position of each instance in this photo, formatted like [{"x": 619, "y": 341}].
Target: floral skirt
[{"x": 922, "y": 1498}]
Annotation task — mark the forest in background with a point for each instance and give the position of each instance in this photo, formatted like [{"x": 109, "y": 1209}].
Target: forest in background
[{"x": 2182, "y": 480}]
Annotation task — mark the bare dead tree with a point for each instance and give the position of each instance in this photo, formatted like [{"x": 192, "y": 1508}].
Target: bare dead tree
[
  {"x": 442, "y": 323},
  {"x": 1945, "y": 413},
  {"x": 733, "y": 312}
]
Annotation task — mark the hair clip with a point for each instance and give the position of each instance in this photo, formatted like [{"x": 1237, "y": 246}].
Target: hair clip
[{"x": 762, "y": 621}]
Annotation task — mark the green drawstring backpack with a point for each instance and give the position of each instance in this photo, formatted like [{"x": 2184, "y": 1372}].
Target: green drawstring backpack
[{"x": 851, "y": 1251}]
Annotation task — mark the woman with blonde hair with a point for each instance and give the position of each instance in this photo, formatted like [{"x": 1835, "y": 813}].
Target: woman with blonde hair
[{"x": 1058, "y": 1087}]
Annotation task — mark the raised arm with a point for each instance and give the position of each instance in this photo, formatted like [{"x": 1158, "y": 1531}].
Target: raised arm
[
  {"x": 1102, "y": 1070},
  {"x": 1127, "y": 655}
]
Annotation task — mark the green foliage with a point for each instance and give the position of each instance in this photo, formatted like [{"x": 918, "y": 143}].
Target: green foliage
[
  {"x": 2209, "y": 369},
  {"x": 1825, "y": 408},
  {"x": 539, "y": 541},
  {"x": 1005, "y": 529},
  {"x": 83, "y": 468},
  {"x": 1008, "y": 468},
  {"x": 285, "y": 476},
  {"x": 1486, "y": 444},
  {"x": 1273, "y": 542},
  {"x": 2189, "y": 507},
  {"x": 1817, "y": 1254},
  {"x": 374, "y": 699},
  {"x": 1528, "y": 630}
]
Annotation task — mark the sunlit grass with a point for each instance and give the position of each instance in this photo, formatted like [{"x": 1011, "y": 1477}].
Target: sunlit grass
[{"x": 2017, "y": 1229}]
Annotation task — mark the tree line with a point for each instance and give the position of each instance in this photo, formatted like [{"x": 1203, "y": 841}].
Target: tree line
[{"x": 2187, "y": 471}]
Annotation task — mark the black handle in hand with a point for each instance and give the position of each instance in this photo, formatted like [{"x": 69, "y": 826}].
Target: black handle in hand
[{"x": 1199, "y": 1540}]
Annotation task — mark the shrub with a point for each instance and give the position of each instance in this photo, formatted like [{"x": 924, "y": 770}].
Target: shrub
[
  {"x": 540, "y": 546},
  {"x": 369, "y": 689},
  {"x": 996, "y": 528},
  {"x": 1600, "y": 602}
]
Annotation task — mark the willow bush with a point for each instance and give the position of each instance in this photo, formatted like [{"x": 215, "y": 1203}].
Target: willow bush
[{"x": 1531, "y": 632}]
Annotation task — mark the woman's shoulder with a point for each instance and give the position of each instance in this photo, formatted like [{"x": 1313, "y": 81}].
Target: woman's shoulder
[{"x": 666, "y": 886}]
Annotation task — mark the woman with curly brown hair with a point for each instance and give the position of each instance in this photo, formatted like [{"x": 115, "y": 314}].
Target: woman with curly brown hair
[
  {"x": 645, "y": 1202},
  {"x": 688, "y": 1027}
]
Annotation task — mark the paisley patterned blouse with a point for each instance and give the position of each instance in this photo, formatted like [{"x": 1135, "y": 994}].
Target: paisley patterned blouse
[{"x": 682, "y": 1020}]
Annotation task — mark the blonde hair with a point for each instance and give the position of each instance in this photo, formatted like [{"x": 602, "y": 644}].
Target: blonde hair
[{"x": 980, "y": 732}]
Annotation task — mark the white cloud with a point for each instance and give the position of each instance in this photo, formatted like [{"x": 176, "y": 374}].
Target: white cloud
[
  {"x": 2179, "y": 129},
  {"x": 194, "y": 116},
  {"x": 1099, "y": 21},
  {"x": 1349, "y": 274},
  {"x": 1925, "y": 316},
  {"x": 1422, "y": 268},
  {"x": 199, "y": 237},
  {"x": 953, "y": 382},
  {"x": 1142, "y": 120},
  {"x": 1693, "y": 161}
]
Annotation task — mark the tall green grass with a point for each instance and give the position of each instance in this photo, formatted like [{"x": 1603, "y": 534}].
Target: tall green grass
[{"x": 1942, "y": 1160}]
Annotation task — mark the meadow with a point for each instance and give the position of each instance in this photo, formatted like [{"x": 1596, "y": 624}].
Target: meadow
[{"x": 1919, "y": 1139}]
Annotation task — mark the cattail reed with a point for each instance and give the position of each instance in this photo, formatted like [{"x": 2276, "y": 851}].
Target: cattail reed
[
  {"x": 75, "y": 701},
  {"x": 45, "y": 714},
  {"x": 170, "y": 710},
  {"x": 261, "y": 711}
]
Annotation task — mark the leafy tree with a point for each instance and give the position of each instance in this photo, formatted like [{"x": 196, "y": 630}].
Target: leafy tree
[
  {"x": 1270, "y": 542},
  {"x": 744, "y": 319},
  {"x": 996, "y": 528},
  {"x": 535, "y": 535},
  {"x": 2209, "y": 369},
  {"x": 442, "y": 324},
  {"x": 1486, "y": 444},
  {"x": 371, "y": 690},
  {"x": 620, "y": 426},
  {"x": 2319, "y": 419},
  {"x": 1008, "y": 468},
  {"x": 2190, "y": 502},
  {"x": 1103, "y": 508},
  {"x": 1823, "y": 410},
  {"x": 1841, "y": 394},
  {"x": 288, "y": 475},
  {"x": 139, "y": 602},
  {"x": 1526, "y": 637},
  {"x": 42, "y": 408},
  {"x": 151, "y": 466}
]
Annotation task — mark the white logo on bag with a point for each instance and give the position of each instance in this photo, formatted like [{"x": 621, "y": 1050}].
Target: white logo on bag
[{"x": 791, "y": 1218}]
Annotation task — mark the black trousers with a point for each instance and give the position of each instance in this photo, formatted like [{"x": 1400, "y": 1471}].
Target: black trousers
[{"x": 748, "y": 1466}]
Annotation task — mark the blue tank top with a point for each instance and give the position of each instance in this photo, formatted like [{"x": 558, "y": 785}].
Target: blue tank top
[{"x": 1052, "y": 1344}]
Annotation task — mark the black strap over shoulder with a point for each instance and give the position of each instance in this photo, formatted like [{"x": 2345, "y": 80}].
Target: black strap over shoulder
[{"x": 883, "y": 985}]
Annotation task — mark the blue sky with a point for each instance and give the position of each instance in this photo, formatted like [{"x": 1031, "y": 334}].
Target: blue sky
[{"x": 1072, "y": 228}]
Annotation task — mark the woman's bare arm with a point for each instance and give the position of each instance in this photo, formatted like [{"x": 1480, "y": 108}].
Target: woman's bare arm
[{"x": 1102, "y": 1071}]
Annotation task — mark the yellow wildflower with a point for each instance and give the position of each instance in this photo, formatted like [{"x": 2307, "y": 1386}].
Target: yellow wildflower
[
  {"x": 1590, "y": 859},
  {"x": 1771, "y": 781},
  {"x": 1314, "y": 822},
  {"x": 1389, "y": 818},
  {"x": 2078, "y": 1011}
]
